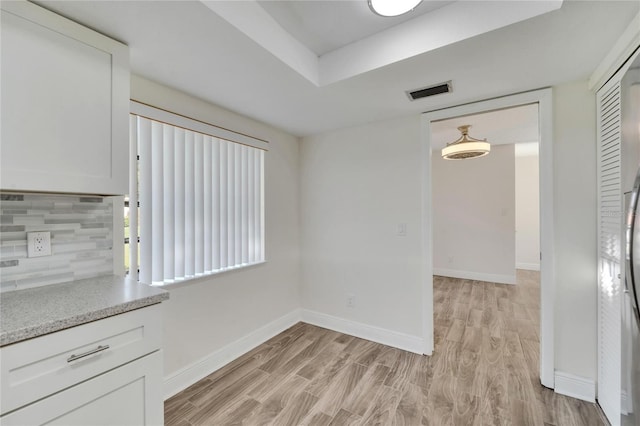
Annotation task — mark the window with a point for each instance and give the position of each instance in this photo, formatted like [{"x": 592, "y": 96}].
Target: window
[{"x": 200, "y": 194}]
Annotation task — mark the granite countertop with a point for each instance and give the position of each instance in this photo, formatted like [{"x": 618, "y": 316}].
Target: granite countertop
[{"x": 33, "y": 312}]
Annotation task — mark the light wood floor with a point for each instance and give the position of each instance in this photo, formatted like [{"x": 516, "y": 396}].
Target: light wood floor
[{"x": 484, "y": 371}]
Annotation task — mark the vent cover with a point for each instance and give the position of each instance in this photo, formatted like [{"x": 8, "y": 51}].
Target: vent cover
[{"x": 429, "y": 91}]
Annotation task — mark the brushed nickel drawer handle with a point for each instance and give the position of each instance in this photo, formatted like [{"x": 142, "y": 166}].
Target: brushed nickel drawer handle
[{"x": 91, "y": 352}]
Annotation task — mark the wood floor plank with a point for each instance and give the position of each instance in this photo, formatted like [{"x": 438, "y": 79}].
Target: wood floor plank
[
  {"x": 315, "y": 365},
  {"x": 423, "y": 374},
  {"x": 524, "y": 413},
  {"x": 448, "y": 359},
  {"x": 456, "y": 331},
  {"x": 286, "y": 394},
  {"x": 181, "y": 398},
  {"x": 403, "y": 368},
  {"x": 368, "y": 353},
  {"x": 319, "y": 419},
  {"x": 484, "y": 371},
  {"x": 472, "y": 339},
  {"x": 177, "y": 413},
  {"x": 359, "y": 400},
  {"x": 411, "y": 406},
  {"x": 382, "y": 410},
  {"x": 340, "y": 387},
  {"x": 388, "y": 356},
  {"x": 474, "y": 319},
  {"x": 263, "y": 390},
  {"x": 223, "y": 399},
  {"x": 238, "y": 414},
  {"x": 296, "y": 410},
  {"x": 345, "y": 418},
  {"x": 286, "y": 354},
  {"x": 461, "y": 311},
  {"x": 465, "y": 408},
  {"x": 489, "y": 416},
  {"x": 203, "y": 395},
  {"x": 324, "y": 379},
  {"x": 467, "y": 369}
]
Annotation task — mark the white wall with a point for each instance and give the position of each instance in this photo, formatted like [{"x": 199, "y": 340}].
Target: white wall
[
  {"x": 575, "y": 229},
  {"x": 353, "y": 188},
  {"x": 474, "y": 216},
  {"x": 205, "y": 315},
  {"x": 527, "y": 211},
  {"x": 357, "y": 186}
]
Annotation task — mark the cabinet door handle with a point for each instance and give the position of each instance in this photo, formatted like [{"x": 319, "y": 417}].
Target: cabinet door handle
[{"x": 87, "y": 353}]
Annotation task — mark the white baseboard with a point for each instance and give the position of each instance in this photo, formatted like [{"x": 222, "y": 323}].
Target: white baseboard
[
  {"x": 626, "y": 405},
  {"x": 396, "y": 339},
  {"x": 575, "y": 386},
  {"x": 478, "y": 276},
  {"x": 528, "y": 266},
  {"x": 190, "y": 374}
]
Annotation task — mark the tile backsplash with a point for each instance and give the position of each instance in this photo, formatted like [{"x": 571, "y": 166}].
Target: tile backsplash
[{"x": 81, "y": 238}]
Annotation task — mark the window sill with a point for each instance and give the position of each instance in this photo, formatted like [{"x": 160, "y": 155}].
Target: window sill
[{"x": 207, "y": 276}]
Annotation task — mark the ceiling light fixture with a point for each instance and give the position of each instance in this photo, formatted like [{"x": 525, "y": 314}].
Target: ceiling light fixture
[
  {"x": 392, "y": 7},
  {"x": 465, "y": 147}
]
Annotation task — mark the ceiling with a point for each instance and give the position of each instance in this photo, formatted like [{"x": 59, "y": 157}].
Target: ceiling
[
  {"x": 309, "y": 67},
  {"x": 326, "y": 27}
]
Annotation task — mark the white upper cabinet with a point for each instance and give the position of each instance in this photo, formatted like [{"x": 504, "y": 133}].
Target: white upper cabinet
[{"x": 64, "y": 108}]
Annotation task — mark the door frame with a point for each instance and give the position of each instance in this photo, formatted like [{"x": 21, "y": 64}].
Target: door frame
[{"x": 544, "y": 99}]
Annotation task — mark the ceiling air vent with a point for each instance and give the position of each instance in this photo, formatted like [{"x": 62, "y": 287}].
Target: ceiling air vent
[{"x": 429, "y": 91}]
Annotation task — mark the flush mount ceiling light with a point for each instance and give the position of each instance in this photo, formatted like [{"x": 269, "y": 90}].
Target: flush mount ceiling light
[
  {"x": 392, "y": 7},
  {"x": 465, "y": 147}
]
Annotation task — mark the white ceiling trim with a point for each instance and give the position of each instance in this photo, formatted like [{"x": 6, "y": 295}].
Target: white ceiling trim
[
  {"x": 449, "y": 24},
  {"x": 444, "y": 26},
  {"x": 252, "y": 20},
  {"x": 628, "y": 42}
]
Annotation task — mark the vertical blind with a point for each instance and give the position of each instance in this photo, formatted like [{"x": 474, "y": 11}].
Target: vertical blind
[{"x": 201, "y": 202}]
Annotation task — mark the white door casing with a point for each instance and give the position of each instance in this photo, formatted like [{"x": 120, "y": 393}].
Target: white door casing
[{"x": 543, "y": 98}]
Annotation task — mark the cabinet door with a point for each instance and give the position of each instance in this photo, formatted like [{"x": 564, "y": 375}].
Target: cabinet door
[
  {"x": 128, "y": 395},
  {"x": 65, "y": 95},
  {"x": 610, "y": 217}
]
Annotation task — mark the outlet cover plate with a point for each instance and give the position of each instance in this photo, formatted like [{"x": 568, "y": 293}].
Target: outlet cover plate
[{"x": 38, "y": 244}]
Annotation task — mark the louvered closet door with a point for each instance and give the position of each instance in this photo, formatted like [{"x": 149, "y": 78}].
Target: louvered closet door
[{"x": 610, "y": 217}]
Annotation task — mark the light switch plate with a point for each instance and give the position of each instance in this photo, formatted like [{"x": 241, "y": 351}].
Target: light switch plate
[{"x": 38, "y": 244}]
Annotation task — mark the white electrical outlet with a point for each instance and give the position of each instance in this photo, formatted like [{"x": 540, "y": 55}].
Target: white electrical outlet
[
  {"x": 351, "y": 301},
  {"x": 38, "y": 244}
]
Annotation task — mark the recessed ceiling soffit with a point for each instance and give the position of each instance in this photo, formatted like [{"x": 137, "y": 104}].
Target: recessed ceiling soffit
[{"x": 452, "y": 23}]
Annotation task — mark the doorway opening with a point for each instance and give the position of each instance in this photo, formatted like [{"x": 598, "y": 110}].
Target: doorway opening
[{"x": 540, "y": 102}]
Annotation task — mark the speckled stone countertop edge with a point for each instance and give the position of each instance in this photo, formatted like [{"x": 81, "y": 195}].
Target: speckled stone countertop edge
[
  {"x": 30, "y": 313},
  {"x": 51, "y": 327}
]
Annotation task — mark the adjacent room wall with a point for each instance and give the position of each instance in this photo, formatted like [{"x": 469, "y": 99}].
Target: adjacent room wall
[
  {"x": 527, "y": 210},
  {"x": 574, "y": 134},
  {"x": 474, "y": 216},
  {"x": 206, "y": 321},
  {"x": 358, "y": 187}
]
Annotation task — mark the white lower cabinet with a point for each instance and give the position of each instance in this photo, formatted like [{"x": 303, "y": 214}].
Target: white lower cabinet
[
  {"x": 128, "y": 395},
  {"x": 106, "y": 372}
]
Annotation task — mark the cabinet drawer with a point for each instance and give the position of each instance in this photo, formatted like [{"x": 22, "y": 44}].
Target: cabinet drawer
[
  {"x": 128, "y": 395},
  {"x": 39, "y": 367}
]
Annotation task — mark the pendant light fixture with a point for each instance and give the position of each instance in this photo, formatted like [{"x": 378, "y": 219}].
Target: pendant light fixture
[
  {"x": 465, "y": 147},
  {"x": 392, "y": 7}
]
